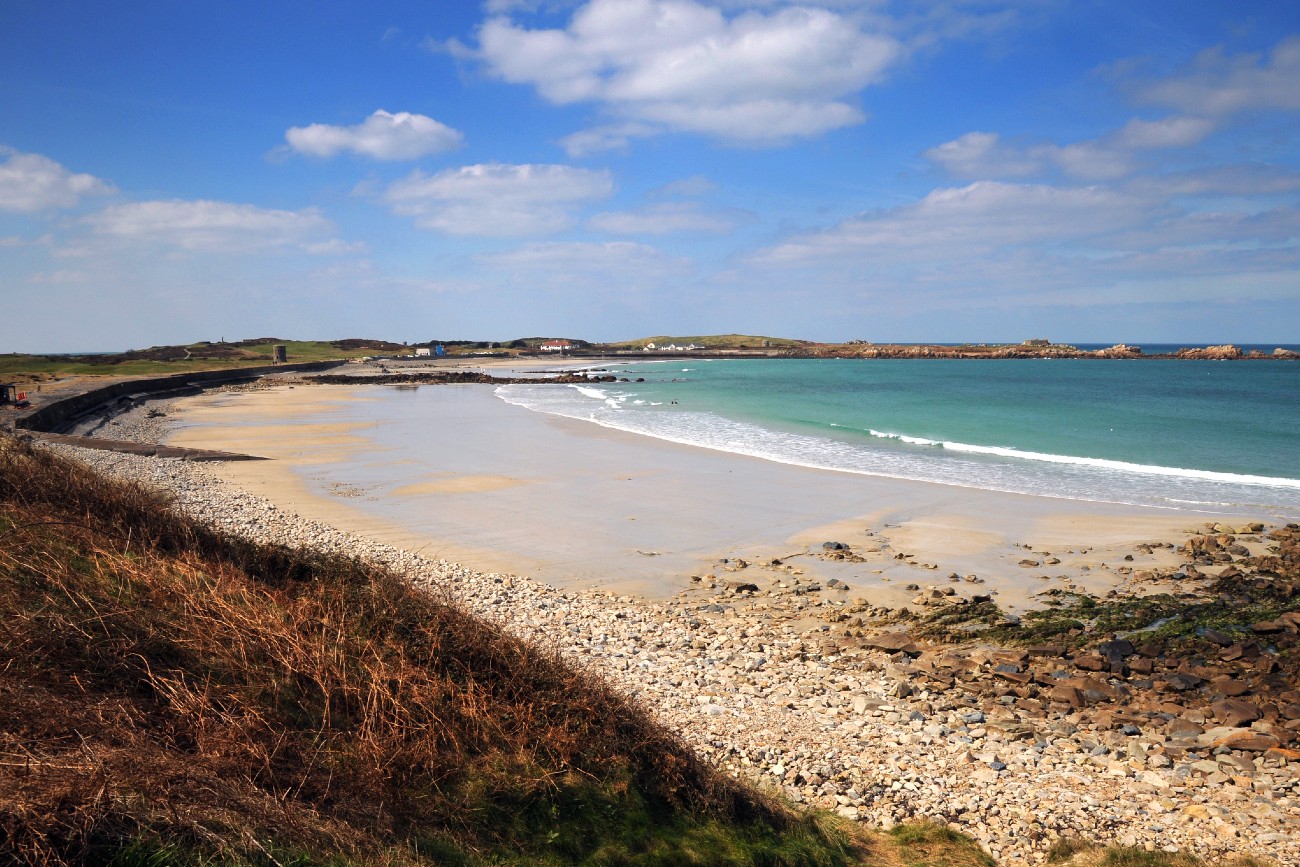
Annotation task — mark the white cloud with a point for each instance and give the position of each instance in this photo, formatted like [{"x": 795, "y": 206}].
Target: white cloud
[
  {"x": 961, "y": 223},
  {"x": 1217, "y": 84},
  {"x": 334, "y": 247},
  {"x": 993, "y": 243},
  {"x": 496, "y": 200},
  {"x": 1091, "y": 160},
  {"x": 382, "y": 136},
  {"x": 678, "y": 64},
  {"x": 611, "y": 137},
  {"x": 1231, "y": 180},
  {"x": 63, "y": 276},
  {"x": 695, "y": 185},
  {"x": 664, "y": 219},
  {"x": 606, "y": 275},
  {"x": 1169, "y": 132},
  {"x": 31, "y": 182},
  {"x": 1215, "y": 231},
  {"x": 211, "y": 226},
  {"x": 571, "y": 256},
  {"x": 984, "y": 155}
]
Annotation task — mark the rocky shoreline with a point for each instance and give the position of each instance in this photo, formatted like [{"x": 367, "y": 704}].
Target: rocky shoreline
[
  {"x": 793, "y": 685},
  {"x": 1225, "y": 352},
  {"x": 864, "y": 350}
]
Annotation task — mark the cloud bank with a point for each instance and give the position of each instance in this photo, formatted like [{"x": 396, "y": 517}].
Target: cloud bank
[
  {"x": 496, "y": 200},
  {"x": 31, "y": 183},
  {"x": 211, "y": 226}
]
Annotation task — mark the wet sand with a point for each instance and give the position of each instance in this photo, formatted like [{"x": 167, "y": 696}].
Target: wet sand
[{"x": 500, "y": 488}]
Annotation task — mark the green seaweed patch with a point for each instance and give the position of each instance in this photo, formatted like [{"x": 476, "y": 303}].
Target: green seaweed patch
[
  {"x": 955, "y": 623},
  {"x": 1076, "y": 619}
]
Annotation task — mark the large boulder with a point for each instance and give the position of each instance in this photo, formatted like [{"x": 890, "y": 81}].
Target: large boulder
[
  {"x": 1235, "y": 712},
  {"x": 894, "y": 642}
]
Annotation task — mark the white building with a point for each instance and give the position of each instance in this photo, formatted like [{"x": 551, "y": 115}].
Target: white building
[{"x": 672, "y": 347}]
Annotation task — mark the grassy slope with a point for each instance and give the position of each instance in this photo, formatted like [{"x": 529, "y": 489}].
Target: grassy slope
[
  {"x": 170, "y": 694},
  {"x": 204, "y": 356}
]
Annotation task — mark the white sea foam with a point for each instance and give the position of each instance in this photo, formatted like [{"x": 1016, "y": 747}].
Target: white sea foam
[
  {"x": 588, "y": 391},
  {"x": 916, "y": 441},
  {"x": 903, "y": 456},
  {"x": 1123, "y": 466}
]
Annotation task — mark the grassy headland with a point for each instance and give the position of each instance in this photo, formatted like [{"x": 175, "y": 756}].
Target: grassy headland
[{"x": 187, "y": 358}]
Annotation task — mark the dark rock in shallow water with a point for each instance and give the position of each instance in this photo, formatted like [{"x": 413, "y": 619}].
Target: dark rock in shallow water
[{"x": 1217, "y": 637}]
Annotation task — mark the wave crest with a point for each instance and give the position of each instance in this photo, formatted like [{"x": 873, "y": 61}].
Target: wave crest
[{"x": 1104, "y": 463}]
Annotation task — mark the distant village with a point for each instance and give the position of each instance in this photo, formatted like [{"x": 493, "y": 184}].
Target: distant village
[{"x": 562, "y": 346}]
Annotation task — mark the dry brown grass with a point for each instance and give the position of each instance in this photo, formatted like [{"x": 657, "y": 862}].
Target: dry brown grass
[{"x": 161, "y": 681}]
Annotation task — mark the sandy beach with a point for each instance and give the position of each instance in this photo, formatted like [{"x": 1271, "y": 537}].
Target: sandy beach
[{"x": 501, "y": 488}]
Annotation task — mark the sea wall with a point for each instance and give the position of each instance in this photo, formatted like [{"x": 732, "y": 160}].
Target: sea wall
[{"x": 54, "y": 416}]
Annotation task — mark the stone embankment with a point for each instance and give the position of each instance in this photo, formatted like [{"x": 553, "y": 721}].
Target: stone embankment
[
  {"x": 114, "y": 395},
  {"x": 767, "y": 683}
]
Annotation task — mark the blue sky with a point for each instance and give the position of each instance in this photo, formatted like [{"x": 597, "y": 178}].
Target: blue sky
[{"x": 608, "y": 169}]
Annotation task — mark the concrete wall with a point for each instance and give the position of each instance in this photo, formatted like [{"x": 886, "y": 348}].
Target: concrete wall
[{"x": 52, "y": 416}]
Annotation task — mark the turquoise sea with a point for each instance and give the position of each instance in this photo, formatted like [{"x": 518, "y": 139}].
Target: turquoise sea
[{"x": 1193, "y": 435}]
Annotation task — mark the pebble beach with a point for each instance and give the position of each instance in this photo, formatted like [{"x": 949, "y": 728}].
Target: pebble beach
[{"x": 759, "y": 678}]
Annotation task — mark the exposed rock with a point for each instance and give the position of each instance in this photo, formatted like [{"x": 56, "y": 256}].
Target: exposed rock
[
  {"x": 1248, "y": 741},
  {"x": 1235, "y": 712},
  {"x": 897, "y": 642}
]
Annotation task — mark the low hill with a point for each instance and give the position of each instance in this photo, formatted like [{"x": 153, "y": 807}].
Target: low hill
[{"x": 204, "y": 355}]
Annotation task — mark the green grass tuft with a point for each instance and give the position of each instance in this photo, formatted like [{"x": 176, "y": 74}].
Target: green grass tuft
[{"x": 932, "y": 844}]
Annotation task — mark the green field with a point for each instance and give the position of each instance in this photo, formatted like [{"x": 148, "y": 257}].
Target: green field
[{"x": 162, "y": 360}]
